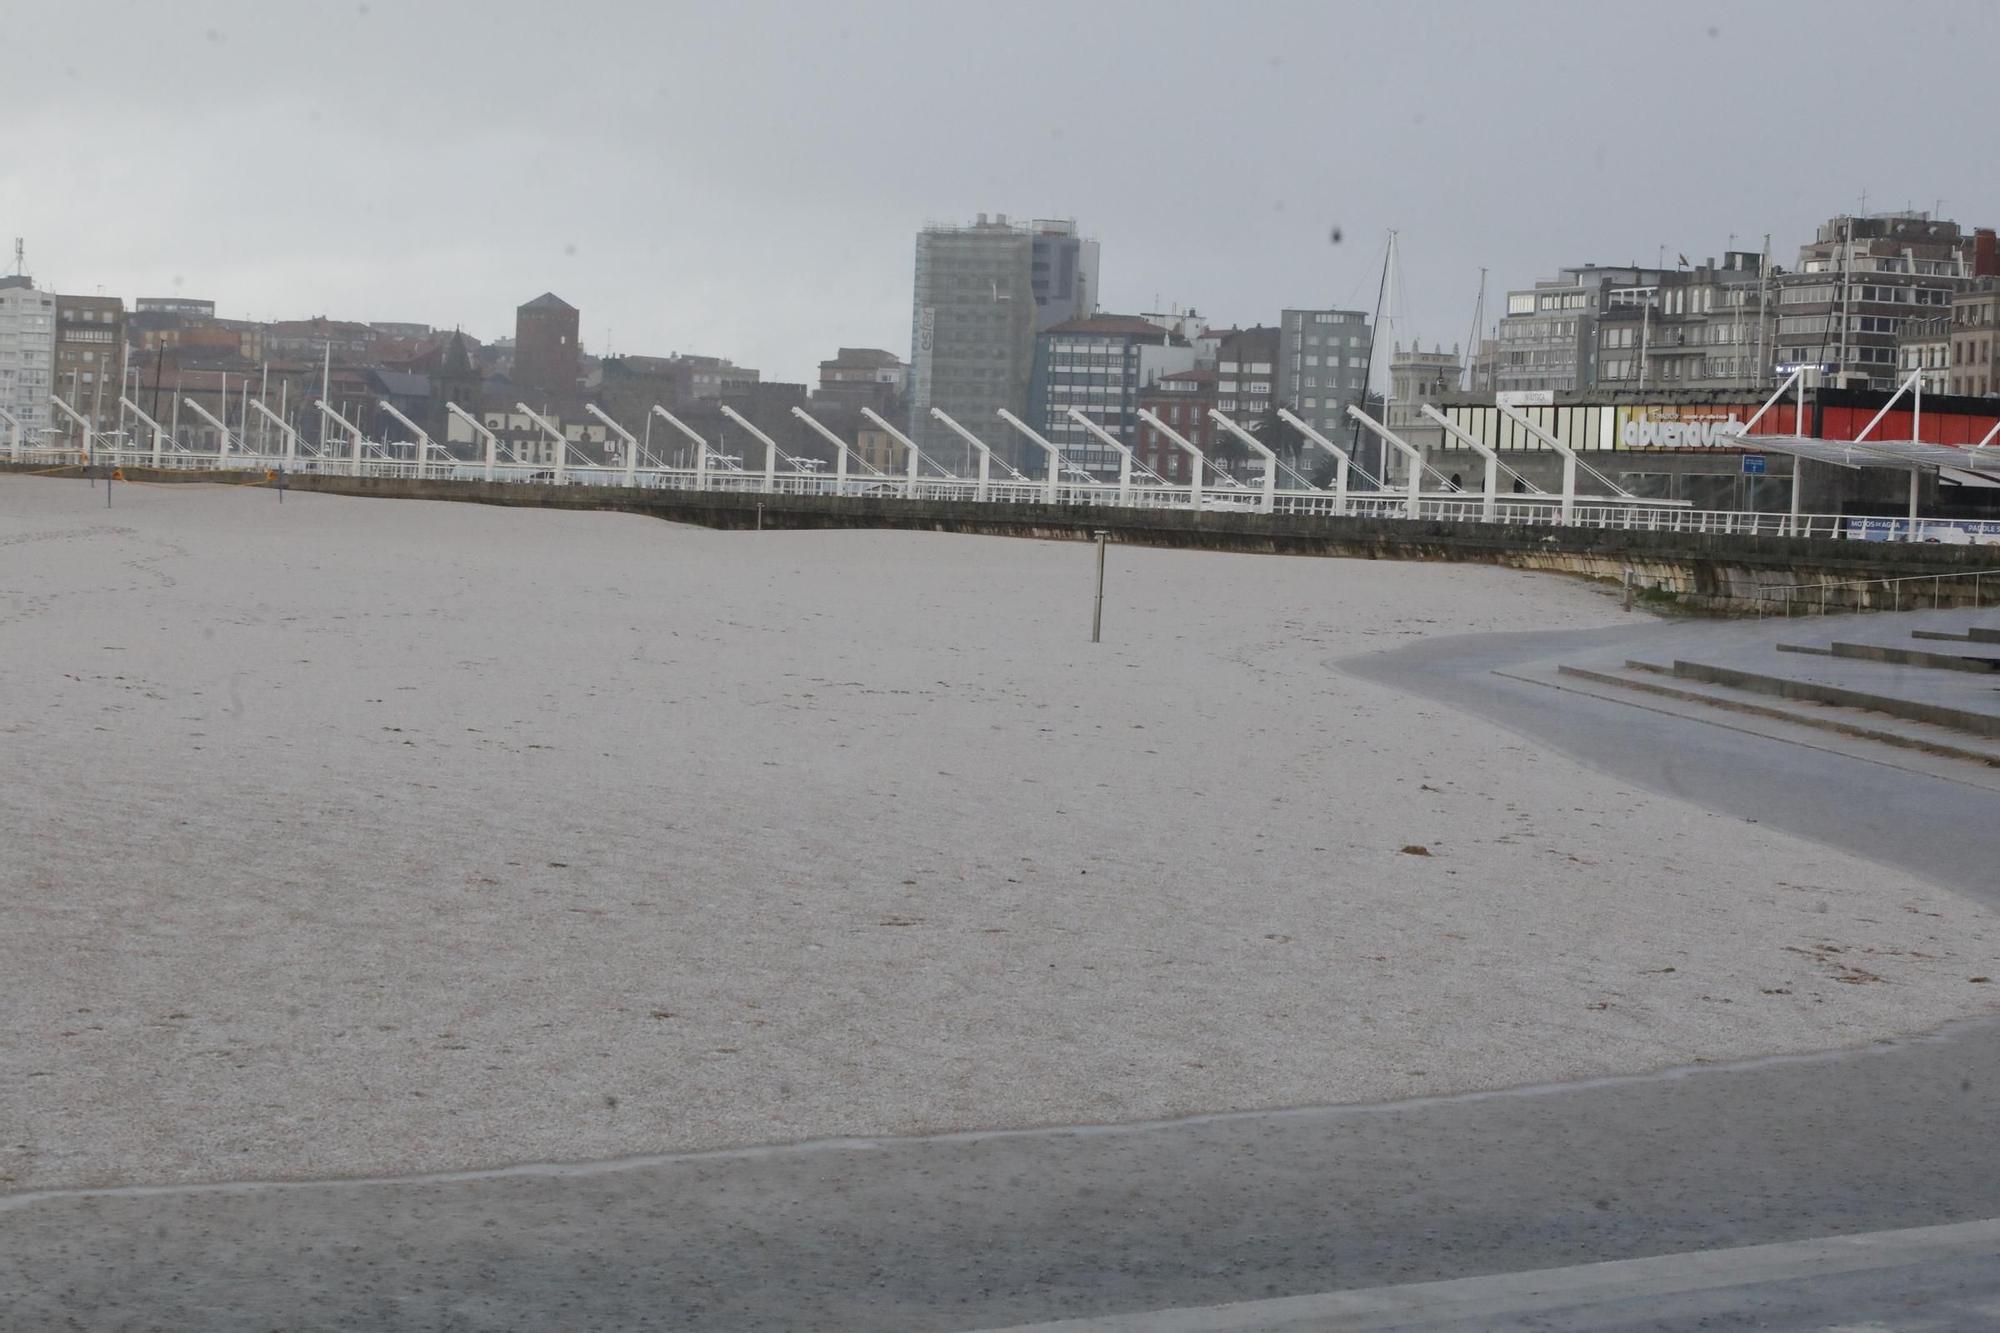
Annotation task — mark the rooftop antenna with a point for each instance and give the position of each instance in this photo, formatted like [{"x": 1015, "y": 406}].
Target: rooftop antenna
[{"x": 20, "y": 255}]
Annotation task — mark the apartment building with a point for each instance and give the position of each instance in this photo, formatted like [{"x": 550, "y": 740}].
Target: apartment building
[
  {"x": 27, "y": 356},
  {"x": 89, "y": 359},
  {"x": 1322, "y": 364},
  {"x": 1700, "y": 328},
  {"x": 981, "y": 293},
  {"x": 1840, "y": 314},
  {"x": 1548, "y": 337},
  {"x": 1182, "y": 400},
  {"x": 1246, "y": 372},
  {"x": 1099, "y": 366},
  {"x": 1975, "y": 339}
]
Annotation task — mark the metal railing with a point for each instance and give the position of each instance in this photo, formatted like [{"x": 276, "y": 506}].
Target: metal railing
[
  {"x": 1813, "y": 597},
  {"x": 1585, "y": 511}
]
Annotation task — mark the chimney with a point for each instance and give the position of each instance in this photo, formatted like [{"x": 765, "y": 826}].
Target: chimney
[{"x": 1985, "y": 263}]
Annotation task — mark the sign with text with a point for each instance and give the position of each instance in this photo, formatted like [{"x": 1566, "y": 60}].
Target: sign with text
[
  {"x": 920, "y": 373},
  {"x": 1678, "y": 427}
]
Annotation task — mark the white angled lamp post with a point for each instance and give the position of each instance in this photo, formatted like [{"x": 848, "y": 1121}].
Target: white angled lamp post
[
  {"x": 354, "y": 434},
  {"x": 770, "y": 448},
  {"x": 1269, "y": 499},
  {"x": 1196, "y": 461},
  {"x": 82, "y": 423},
  {"x": 423, "y": 437},
  {"x": 556, "y": 437},
  {"x": 1569, "y": 457},
  {"x": 1572, "y": 461},
  {"x": 1413, "y": 505},
  {"x": 840, "y": 445},
  {"x": 985, "y": 453},
  {"x": 631, "y": 442},
  {"x": 222, "y": 454},
  {"x": 1342, "y": 464},
  {"x": 1489, "y": 505},
  {"x": 695, "y": 438},
  {"x": 159, "y": 433},
  {"x": 1055, "y": 455},
  {"x": 479, "y": 430},
  {"x": 1124, "y": 454},
  {"x": 912, "y": 456},
  {"x": 285, "y": 431}
]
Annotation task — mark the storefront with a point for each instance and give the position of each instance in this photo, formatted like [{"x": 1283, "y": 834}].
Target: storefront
[{"x": 1689, "y": 446}]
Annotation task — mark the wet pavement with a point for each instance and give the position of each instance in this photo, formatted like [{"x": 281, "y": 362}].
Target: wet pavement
[{"x": 1875, "y": 806}]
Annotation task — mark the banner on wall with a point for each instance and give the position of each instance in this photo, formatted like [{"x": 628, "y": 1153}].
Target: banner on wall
[
  {"x": 1673, "y": 427},
  {"x": 1948, "y": 532}
]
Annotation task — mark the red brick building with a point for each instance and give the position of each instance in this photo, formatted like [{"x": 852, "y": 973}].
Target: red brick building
[{"x": 1182, "y": 400}]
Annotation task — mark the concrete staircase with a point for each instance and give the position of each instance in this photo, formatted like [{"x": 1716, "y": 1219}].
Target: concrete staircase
[
  {"x": 1910, "y": 695},
  {"x": 1972, "y": 635}
]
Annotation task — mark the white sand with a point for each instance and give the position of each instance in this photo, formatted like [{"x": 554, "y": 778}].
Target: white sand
[{"x": 363, "y": 837}]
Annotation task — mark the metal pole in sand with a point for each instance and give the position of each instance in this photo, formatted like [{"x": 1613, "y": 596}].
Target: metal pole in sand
[{"x": 1097, "y": 613}]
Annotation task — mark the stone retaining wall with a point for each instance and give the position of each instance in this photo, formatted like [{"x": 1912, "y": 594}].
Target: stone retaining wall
[{"x": 1699, "y": 571}]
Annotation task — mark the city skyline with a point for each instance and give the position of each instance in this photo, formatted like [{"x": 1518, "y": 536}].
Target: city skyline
[{"x": 448, "y": 175}]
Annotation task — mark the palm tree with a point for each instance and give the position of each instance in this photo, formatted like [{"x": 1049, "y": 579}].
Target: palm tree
[
  {"x": 1280, "y": 436},
  {"x": 1227, "y": 452}
]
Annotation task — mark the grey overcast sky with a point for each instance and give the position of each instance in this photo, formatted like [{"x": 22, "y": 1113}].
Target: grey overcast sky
[{"x": 746, "y": 179}]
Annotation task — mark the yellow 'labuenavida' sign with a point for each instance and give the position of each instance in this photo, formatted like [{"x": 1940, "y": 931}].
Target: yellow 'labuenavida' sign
[{"x": 1665, "y": 427}]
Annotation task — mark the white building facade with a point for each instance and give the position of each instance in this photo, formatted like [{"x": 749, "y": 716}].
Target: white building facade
[{"x": 27, "y": 355}]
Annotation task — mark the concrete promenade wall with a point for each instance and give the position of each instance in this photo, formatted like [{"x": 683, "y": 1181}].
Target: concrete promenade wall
[{"x": 1702, "y": 571}]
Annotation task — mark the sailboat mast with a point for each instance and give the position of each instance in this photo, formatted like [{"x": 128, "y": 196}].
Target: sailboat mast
[
  {"x": 1389, "y": 314},
  {"x": 1389, "y": 369},
  {"x": 1368, "y": 373},
  {"x": 1472, "y": 342}
]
